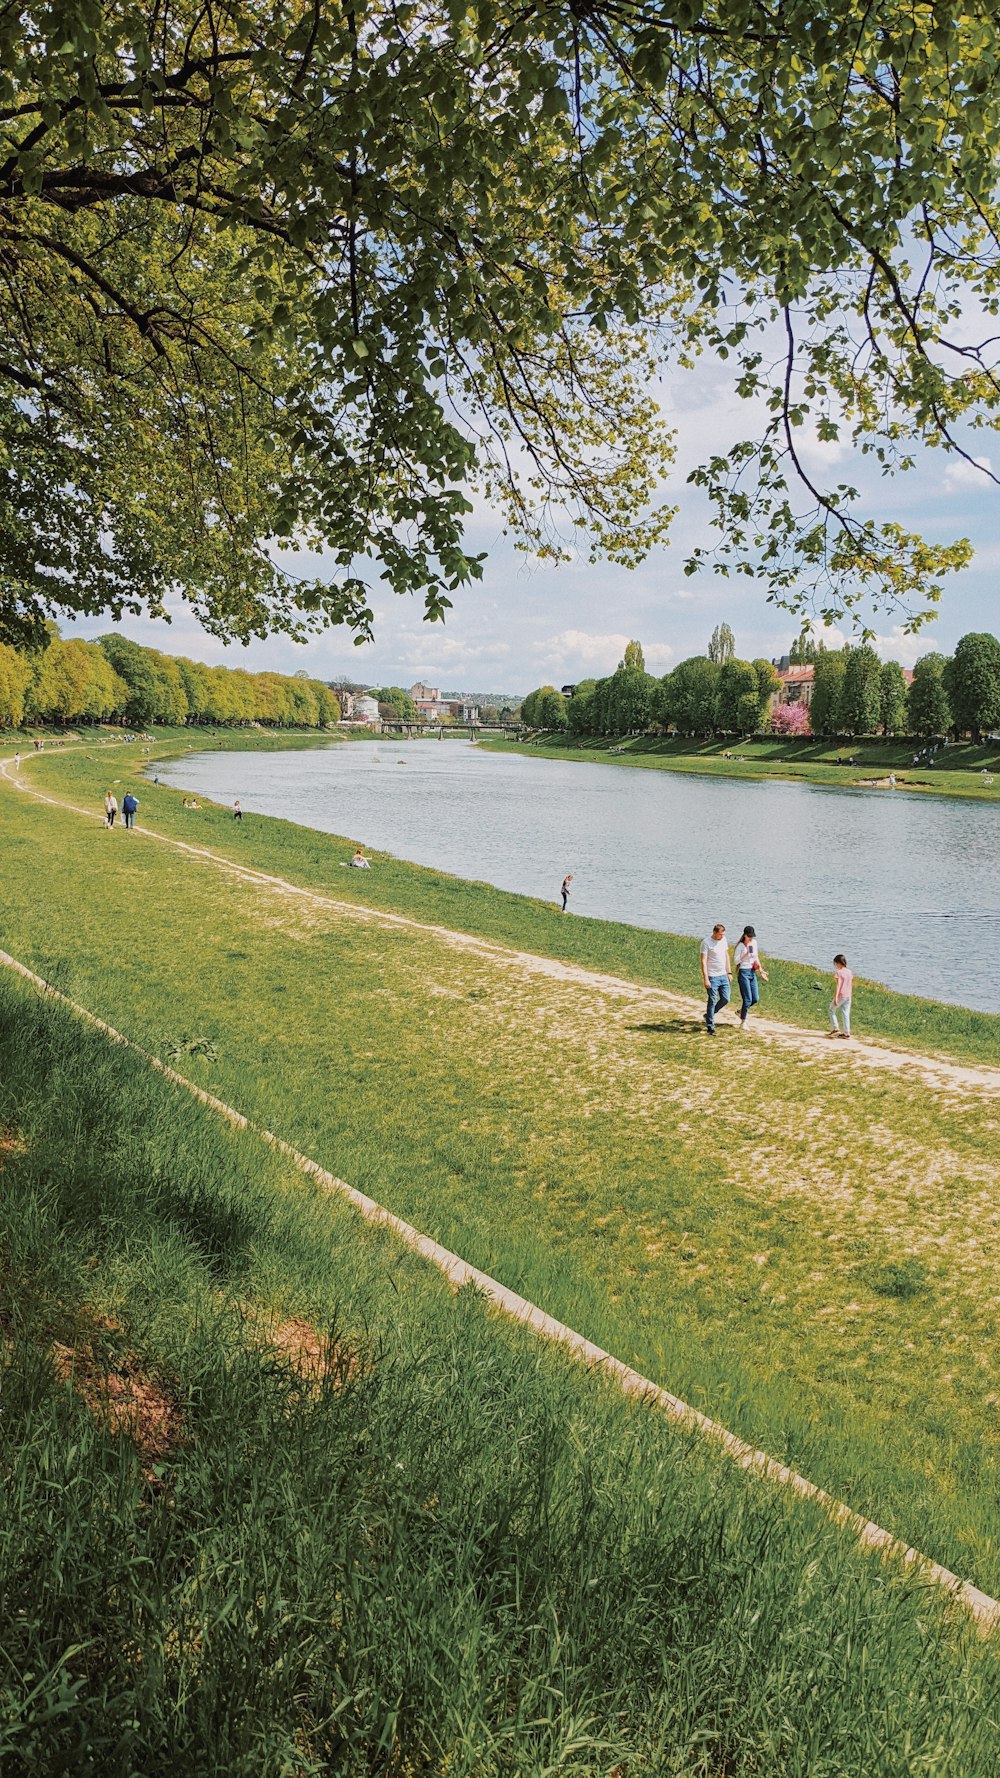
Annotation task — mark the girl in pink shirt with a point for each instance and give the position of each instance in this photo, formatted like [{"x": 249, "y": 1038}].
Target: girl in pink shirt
[{"x": 840, "y": 1005}]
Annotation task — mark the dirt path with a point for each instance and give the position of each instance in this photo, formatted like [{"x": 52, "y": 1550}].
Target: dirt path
[{"x": 862, "y": 1054}]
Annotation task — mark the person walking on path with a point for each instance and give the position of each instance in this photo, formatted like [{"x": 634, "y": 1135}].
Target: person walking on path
[
  {"x": 110, "y": 809},
  {"x": 715, "y": 973},
  {"x": 564, "y": 891},
  {"x": 129, "y": 805},
  {"x": 841, "y": 1002},
  {"x": 17, "y": 762},
  {"x": 748, "y": 966}
]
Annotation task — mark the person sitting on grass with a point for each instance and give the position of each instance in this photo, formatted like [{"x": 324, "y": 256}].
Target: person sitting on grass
[
  {"x": 359, "y": 861},
  {"x": 840, "y": 1005}
]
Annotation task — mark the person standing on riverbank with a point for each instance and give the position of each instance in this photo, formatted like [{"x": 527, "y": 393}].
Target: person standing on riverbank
[
  {"x": 842, "y": 994},
  {"x": 748, "y": 966},
  {"x": 237, "y": 811},
  {"x": 564, "y": 891},
  {"x": 715, "y": 973},
  {"x": 110, "y": 809}
]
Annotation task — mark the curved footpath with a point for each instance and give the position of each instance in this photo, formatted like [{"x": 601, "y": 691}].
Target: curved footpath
[
  {"x": 863, "y": 1053},
  {"x": 941, "y": 1073}
]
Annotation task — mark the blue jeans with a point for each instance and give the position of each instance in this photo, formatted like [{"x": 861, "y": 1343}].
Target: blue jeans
[
  {"x": 749, "y": 991},
  {"x": 718, "y": 997}
]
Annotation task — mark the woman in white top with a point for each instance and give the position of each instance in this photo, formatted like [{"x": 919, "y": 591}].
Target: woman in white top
[{"x": 746, "y": 959}]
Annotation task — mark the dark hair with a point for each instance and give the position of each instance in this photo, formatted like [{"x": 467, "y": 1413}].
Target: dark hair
[
  {"x": 748, "y": 932},
  {"x": 841, "y": 959}
]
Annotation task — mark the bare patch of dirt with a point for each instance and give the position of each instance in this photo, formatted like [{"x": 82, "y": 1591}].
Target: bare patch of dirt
[
  {"x": 11, "y": 1142},
  {"x": 122, "y": 1398},
  {"x": 314, "y": 1357}
]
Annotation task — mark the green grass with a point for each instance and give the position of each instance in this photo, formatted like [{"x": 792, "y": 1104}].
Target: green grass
[
  {"x": 731, "y": 1223},
  {"x": 453, "y": 1553},
  {"x": 957, "y": 771}
]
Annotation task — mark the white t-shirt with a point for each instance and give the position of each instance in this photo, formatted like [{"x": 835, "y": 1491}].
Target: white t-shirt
[
  {"x": 716, "y": 954},
  {"x": 745, "y": 954}
]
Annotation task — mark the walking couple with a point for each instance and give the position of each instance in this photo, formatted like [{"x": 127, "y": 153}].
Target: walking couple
[{"x": 717, "y": 974}]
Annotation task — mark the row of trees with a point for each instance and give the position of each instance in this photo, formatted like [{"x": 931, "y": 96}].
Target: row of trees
[
  {"x": 854, "y": 693},
  {"x": 699, "y": 695},
  {"x": 118, "y": 680}
]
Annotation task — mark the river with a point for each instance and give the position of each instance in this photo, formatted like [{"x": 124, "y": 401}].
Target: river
[{"x": 906, "y": 885}]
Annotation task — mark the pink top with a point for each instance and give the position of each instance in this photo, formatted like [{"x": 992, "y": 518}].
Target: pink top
[{"x": 843, "y": 978}]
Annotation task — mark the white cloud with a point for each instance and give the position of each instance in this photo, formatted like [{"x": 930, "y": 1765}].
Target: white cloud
[
  {"x": 904, "y": 648},
  {"x": 961, "y": 474},
  {"x": 584, "y": 653}
]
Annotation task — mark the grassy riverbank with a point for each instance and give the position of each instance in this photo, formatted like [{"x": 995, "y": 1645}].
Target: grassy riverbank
[
  {"x": 802, "y": 1245},
  {"x": 958, "y": 770},
  {"x": 278, "y": 1505},
  {"x": 796, "y": 992}
]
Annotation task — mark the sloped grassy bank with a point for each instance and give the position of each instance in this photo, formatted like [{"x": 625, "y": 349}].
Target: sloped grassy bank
[
  {"x": 800, "y": 1244},
  {"x": 403, "y": 1538},
  {"x": 961, "y": 769}
]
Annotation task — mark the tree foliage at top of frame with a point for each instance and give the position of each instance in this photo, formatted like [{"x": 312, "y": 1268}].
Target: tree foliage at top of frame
[{"x": 281, "y": 273}]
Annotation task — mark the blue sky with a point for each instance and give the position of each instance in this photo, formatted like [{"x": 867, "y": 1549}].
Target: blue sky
[{"x": 526, "y": 623}]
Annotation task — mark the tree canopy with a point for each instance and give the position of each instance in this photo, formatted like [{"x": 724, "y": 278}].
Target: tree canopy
[
  {"x": 295, "y": 278},
  {"x": 928, "y": 711},
  {"x": 972, "y": 682}
]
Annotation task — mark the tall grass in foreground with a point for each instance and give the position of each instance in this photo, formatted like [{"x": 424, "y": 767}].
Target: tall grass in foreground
[{"x": 449, "y": 1551}]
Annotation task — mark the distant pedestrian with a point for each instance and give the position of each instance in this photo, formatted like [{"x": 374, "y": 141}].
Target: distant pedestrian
[
  {"x": 715, "y": 973},
  {"x": 748, "y": 966},
  {"x": 840, "y": 1005},
  {"x": 237, "y": 811},
  {"x": 110, "y": 809},
  {"x": 129, "y": 805},
  {"x": 564, "y": 891},
  {"x": 17, "y": 762}
]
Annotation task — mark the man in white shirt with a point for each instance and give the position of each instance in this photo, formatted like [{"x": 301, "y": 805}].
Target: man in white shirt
[{"x": 715, "y": 973}]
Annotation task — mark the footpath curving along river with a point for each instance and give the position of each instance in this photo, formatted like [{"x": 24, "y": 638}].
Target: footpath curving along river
[{"x": 906, "y": 886}]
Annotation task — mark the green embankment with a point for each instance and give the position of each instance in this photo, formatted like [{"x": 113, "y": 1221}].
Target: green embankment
[
  {"x": 801, "y": 1245},
  {"x": 276, "y": 1505},
  {"x": 957, "y": 770}
]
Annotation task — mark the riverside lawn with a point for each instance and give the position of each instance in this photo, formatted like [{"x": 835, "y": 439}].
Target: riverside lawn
[
  {"x": 802, "y": 1246},
  {"x": 957, "y": 772},
  {"x": 380, "y": 1529}
]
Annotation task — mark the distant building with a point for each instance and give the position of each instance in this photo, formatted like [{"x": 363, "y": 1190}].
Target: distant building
[
  {"x": 568, "y": 691},
  {"x": 366, "y": 710},
  {"x": 796, "y": 684},
  {"x": 461, "y": 709},
  {"x": 428, "y": 701},
  {"x": 346, "y": 700}
]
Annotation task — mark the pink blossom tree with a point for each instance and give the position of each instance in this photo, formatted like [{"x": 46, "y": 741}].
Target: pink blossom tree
[{"x": 790, "y": 719}]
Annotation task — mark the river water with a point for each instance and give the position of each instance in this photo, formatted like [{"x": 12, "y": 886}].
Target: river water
[{"x": 906, "y": 885}]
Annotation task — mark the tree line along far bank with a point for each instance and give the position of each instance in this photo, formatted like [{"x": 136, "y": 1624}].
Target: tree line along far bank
[
  {"x": 853, "y": 693},
  {"x": 121, "y": 681}
]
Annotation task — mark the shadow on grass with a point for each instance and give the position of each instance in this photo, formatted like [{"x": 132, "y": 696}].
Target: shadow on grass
[{"x": 676, "y": 1027}]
